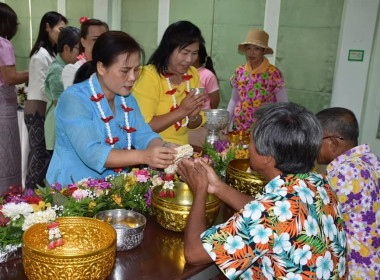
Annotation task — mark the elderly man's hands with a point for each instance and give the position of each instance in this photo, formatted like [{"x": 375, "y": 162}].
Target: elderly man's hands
[
  {"x": 194, "y": 175},
  {"x": 198, "y": 174}
]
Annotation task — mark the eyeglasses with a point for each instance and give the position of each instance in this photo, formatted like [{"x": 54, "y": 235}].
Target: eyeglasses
[{"x": 333, "y": 136}]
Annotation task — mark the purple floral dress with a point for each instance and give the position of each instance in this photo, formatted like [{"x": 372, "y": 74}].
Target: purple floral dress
[
  {"x": 254, "y": 90},
  {"x": 355, "y": 176}
]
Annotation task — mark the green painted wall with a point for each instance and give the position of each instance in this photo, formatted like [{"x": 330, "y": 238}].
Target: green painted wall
[
  {"x": 141, "y": 22},
  {"x": 307, "y": 40},
  {"x": 306, "y": 50}
]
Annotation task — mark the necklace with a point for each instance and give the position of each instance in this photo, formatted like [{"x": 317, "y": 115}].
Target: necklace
[
  {"x": 112, "y": 140},
  {"x": 172, "y": 92}
]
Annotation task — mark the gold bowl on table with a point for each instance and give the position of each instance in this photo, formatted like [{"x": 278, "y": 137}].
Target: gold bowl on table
[
  {"x": 172, "y": 213},
  {"x": 247, "y": 182},
  {"x": 129, "y": 226},
  {"x": 89, "y": 250}
]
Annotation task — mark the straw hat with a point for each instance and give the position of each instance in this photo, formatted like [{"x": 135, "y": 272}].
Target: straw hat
[{"x": 258, "y": 38}]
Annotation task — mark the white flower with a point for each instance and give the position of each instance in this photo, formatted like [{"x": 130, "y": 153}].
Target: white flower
[
  {"x": 311, "y": 226},
  {"x": 292, "y": 276},
  {"x": 281, "y": 210},
  {"x": 342, "y": 266},
  {"x": 274, "y": 184},
  {"x": 324, "y": 196},
  {"x": 253, "y": 210},
  {"x": 208, "y": 248},
  {"x": 329, "y": 228},
  {"x": 39, "y": 217},
  {"x": 304, "y": 192},
  {"x": 168, "y": 185},
  {"x": 324, "y": 266},
  {"x": 233, "y": 243},
  {"x": 267, "y": 269},
  {"x": 232, "y": 273},
  {"x": 281, "y": 243},
  {"x": 281, "y": 191},
  {"x": 301, "y": 256},
  {"x": 342, "y": 238},
  {"x": 13, "y": 210},
  {"x": 261, "y": 234},
  {"x": 247, "y": 275}
]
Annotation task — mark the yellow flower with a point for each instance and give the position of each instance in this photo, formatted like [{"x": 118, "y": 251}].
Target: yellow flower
[
  {"x": 241, "y": 154},
  {"x": 41, "y": 206},
  {"x": 130, "y": 182},
  {"x": 245, "y": 105},
  {"x": 343, "y": 198},
  {"x": 117, "y": 199},
  {"x": 271, "y": 69},
  {"x": 38, "y": 192},
  {"x": 257, "y": 103},
  {"x": 356, "y": 186},
  {"x": 91, "y": 205}
]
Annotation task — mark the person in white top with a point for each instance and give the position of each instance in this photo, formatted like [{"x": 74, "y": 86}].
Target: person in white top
[
  {"x": 90, "y": 30},
  {"x": 41, "y": 56}
]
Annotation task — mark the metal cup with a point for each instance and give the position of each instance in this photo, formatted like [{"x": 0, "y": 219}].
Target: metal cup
[{"x": 198, "y": 90}]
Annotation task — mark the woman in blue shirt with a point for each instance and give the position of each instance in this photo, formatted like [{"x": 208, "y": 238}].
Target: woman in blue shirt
[{"x": 98, "y": 121}]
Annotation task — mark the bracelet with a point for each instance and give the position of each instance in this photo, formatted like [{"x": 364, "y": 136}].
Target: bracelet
[{"x": 193, "y": 120}]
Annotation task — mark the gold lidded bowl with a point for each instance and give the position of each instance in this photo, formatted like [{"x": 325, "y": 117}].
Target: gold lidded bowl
[
  {"x": 247, "y": 182},
  {"x": 172, "y": 213},
  {"x": 129, "y": 226},
  {"x": 89, "y": 250}
]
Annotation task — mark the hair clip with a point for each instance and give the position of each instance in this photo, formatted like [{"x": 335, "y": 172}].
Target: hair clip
[{"x": 83, "y": 20}]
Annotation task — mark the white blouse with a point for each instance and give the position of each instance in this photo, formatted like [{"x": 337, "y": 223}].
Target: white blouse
[{"x": 38, "y": 66}]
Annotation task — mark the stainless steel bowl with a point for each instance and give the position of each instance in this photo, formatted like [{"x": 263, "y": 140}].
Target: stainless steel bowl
[{"x": 129, "y": 226}]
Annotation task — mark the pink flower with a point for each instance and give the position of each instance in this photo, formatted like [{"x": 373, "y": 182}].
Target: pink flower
[
  {"x": 142, "y": 175},
  {"x": 79, "y": 194},
  {"x": 141, "y": 178}
]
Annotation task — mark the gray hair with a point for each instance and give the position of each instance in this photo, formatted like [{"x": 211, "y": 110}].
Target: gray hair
[
  {"x": 290, "y": 134},
  {"x": 340, "y": 122}
]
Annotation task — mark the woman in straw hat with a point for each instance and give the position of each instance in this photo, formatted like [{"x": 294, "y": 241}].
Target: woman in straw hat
[{"x": 254, "y": 83}]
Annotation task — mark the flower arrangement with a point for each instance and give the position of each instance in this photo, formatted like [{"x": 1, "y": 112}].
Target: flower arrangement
[
  {"x": 22, "y": 95},
  {"x": 220, "y": 153},
  {"x": 85, "y": 198},
  {"x": 18, "y": 213}
]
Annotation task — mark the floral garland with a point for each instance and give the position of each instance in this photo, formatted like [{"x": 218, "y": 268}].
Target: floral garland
[
  {"x": 112, "y": 140},
  {"x": 82, "y": 58},
  {"x": 172, "y": 92}
]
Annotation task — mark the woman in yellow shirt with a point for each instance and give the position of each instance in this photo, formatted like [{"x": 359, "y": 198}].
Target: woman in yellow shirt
[{"x": 164, "y": 89}]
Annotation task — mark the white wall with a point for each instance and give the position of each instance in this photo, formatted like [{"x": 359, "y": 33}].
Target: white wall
[{"x": 357, "y": 31}]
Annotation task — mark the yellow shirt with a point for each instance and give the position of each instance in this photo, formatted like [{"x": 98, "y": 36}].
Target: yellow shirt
[{"x": 150, "y": 92}]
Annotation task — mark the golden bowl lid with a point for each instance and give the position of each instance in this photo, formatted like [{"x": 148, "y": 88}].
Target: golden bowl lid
[{"x": 82, "y": 237}]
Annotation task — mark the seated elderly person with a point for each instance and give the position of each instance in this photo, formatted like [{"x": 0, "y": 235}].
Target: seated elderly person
[
  {"x": 294, "y": 230},
  {"x": 354, "y": 172}
]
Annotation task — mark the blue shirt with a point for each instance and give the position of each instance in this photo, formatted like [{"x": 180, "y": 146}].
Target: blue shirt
[{"x": 80, "y": 148}]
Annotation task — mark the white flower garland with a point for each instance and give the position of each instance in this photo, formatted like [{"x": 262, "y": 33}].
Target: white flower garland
[
  {"x": 108, "y": 127},
  {"x": 175, "y": 101}
]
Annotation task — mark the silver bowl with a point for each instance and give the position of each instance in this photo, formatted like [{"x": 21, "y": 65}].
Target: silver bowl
[
  {"x": 129, "y": 226},
  {"x": 217, "y": 120}
]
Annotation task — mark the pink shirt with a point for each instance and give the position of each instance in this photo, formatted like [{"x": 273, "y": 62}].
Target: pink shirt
[
  {"x": 7, "y": 56},
  {"x": 209, "y": 82}
]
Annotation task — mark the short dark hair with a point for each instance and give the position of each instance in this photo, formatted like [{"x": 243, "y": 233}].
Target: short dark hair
[
  {"x": 43, "y": 40},
  {"x": 290, "y": 134},
  {"x": 340, "y": 122},
  {"x": 179, "y": 34},
  {"x": 68, "y": 36},
  {"x": 86, "y": 25},
  {"x": 106, "y": 49},
  {"x": 8, "y": 21}
]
